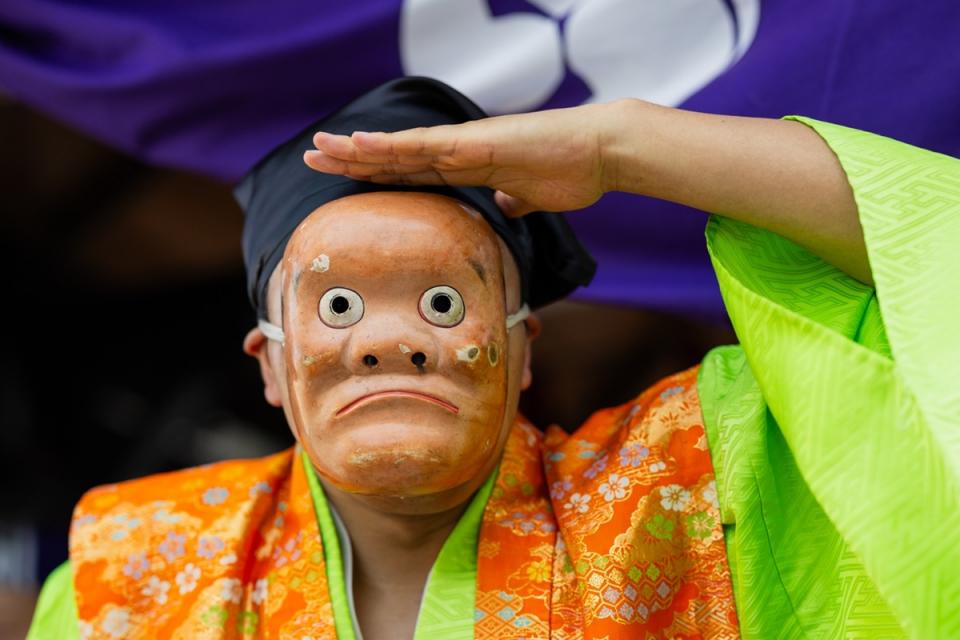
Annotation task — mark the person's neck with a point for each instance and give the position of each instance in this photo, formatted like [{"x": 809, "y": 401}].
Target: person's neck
[
  {"x": 389, "y": 547},
  {"x": 392, "y": 557}
]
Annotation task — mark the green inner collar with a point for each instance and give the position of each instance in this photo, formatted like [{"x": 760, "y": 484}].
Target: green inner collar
[{"x": 447, "y": 607}]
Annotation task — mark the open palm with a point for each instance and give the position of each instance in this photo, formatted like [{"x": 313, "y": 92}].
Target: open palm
[{"x": 546, "y": 161}]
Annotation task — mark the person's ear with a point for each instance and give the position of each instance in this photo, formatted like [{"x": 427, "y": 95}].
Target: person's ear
[
  {"x": 255, "y": 344},
  {"x": 533, "y": 326}
]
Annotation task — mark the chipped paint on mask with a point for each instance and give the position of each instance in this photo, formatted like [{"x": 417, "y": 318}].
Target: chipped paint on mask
[
  {"x": 362, "y": 458},
  {"x": 309, "y": 360},
  {"x": 469, "y": 353},
  {"x": 493, "y": 354},
  {"x": 320, "y": 264},
  {"x": 404, "y": 349},
  {"x": 366, "y": 458},
  {"x": 415, "y": 455}
]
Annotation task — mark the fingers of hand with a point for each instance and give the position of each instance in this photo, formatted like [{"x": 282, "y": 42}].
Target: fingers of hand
[
  {"x": 422, "y": 141},
  {"x": 320, "y": 161},
  {"x": 363, "y": 166},
  {"x": 431, "y": 155},
  {"x": 336, "y": 146},
  {"x": 385, "y": 173},
  {"x": 344, "y": 148},
  {"x": 511, "y": 206},
  {"x": 429, "y": 177}
]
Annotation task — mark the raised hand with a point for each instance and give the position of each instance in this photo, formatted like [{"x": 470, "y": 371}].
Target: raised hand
[
  {"x": 773, "y": 174},
  {"x": 547, "y": 161}
]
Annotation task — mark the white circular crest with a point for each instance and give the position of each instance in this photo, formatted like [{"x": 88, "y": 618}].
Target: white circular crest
[{"x": 659, "y": 50}]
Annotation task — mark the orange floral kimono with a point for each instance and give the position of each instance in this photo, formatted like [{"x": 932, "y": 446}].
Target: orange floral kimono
[{"x": 610, "y": 532}]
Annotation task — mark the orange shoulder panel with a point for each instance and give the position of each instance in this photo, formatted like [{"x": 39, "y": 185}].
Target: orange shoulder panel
[
  {"x": 615, "y": 534},
  {"x": 224, "y": 550}
]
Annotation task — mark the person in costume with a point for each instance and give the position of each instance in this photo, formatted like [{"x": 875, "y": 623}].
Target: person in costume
[{"x": 804, "y": 484}]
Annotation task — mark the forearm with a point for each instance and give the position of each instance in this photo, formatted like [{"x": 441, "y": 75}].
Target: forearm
[{"x": 774, "y": 174}]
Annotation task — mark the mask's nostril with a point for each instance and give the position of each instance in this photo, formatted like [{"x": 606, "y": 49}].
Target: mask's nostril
[
  {"x": 370, "y": 361},
  {"x": 418, "y": 359}
]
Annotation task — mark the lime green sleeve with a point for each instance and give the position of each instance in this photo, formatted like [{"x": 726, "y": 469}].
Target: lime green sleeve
[
  {"x": 835, "y": 427},
  {"x": 55, "y": 617}
]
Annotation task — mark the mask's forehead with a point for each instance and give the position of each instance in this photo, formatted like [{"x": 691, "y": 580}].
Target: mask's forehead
[
  {"x": 369, "y": 238},
  {"x": 381, "y": 234}
]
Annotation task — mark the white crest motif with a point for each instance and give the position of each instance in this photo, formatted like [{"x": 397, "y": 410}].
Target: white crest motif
[{"x": 659, "y": 50}]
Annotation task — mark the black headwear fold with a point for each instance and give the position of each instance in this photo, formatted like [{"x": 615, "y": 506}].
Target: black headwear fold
[{"x": 280, "y": 191}]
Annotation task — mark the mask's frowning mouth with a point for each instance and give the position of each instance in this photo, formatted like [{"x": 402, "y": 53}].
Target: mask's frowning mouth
[{"x": 398, "y": 393}]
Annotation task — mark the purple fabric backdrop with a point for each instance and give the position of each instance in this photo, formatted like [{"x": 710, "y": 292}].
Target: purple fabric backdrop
[{"x": 211, "y": 86}]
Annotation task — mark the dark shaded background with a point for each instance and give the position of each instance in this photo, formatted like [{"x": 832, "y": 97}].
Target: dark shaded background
[{"x": 123, "y": 318}]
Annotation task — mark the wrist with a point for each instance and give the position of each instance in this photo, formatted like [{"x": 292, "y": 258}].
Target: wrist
[{"x": 619, "y": 140}]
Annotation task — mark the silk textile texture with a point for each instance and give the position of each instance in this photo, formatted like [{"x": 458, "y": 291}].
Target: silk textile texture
[
  {"x": 612, "y": 531},
  {"x": 835, "y": 429}
]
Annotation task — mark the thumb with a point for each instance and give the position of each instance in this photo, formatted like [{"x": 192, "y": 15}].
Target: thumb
[{"x": 512, "y": 206}]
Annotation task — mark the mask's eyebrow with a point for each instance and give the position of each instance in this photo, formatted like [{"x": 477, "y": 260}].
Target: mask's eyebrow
[{"x": 479, "y": 270}]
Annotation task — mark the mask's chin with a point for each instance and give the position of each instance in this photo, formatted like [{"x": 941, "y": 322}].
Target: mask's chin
[{"x": 431, "y": 454}]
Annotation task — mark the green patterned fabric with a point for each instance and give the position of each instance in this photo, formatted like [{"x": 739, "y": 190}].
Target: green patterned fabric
[
  {"x": 55, "y": 616},
  {"x": 448, "y": 607},
  {"x": 336, "y": 579},
  {"x": 835, "y": 429}
]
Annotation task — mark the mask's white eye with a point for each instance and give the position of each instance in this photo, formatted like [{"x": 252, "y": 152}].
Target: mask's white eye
[
  {"x": 340, "y": 307},
  {"x": 442, "y": 306}
]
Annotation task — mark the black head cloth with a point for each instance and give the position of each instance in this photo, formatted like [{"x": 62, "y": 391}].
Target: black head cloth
[{"x": 280, "y": 191}]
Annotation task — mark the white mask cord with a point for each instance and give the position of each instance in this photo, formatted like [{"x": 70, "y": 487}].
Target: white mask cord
[{"x": 272, "y": 331}]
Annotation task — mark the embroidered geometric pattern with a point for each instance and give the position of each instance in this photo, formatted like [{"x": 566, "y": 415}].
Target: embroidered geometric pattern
[
  {"x": 640, "y": 550},
  {"x": 637, "y": 506},
  {"x": 835, "y": 429}
]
